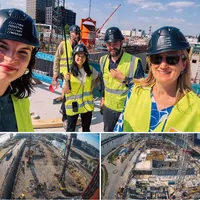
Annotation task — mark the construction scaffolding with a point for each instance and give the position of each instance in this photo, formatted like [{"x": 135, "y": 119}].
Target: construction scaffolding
[
  {"x": 58, "y": 7},
  {"x": 184, "y": 161}
]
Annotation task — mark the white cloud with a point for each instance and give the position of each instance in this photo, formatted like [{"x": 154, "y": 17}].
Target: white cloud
[
  {"x": 147, "y": 5},
  {"x": 180, "y": 10},
  {"x": 20, "y": 4},
  {"x": 69, "y": 5},
  {"x": 161, "y": 19},
  {"x": 175, "y": 20},
  {"x": 181, "y": 4},
  {"x": 147, "y": 19},
  {"x": 137, "y": 2},
  {"x": 85, "y": 9},
  {"x": 110, "y": 5}
]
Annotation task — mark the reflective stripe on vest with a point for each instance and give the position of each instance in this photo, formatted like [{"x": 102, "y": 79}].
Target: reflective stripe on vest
[
  {"x": 80, "y": 105},
  {"x": 102, "y": 62},
  {"x": 121, "y": 92},
  {"x": 80, "y": 93},
  {"x": 63, "y": 62},
  {"x": 184, "y": 116},
  {"x": 22, "y": 114},
  {"x": 116, "y": 92},
  {"x": 85, "y": 94}
]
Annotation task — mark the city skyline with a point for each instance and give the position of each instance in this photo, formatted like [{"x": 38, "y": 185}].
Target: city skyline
[{"x": 139, "y": 14}]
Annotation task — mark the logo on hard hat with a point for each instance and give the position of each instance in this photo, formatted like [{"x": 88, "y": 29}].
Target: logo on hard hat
[
  {"x": 166, "y": 42},
  {"x": 14, "y": 28}
]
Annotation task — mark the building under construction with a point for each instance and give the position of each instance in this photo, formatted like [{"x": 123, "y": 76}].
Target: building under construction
[
  {"x": 51, "y": 12},
  {"x": 34, "y": 167},
  {"x": 155, "y": 167}
]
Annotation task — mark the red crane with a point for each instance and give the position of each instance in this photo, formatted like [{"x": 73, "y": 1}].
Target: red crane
[{"x": 99, "y": 30}]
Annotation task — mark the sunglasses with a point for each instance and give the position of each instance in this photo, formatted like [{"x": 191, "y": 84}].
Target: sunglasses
[{"x": 170, "y": 59}]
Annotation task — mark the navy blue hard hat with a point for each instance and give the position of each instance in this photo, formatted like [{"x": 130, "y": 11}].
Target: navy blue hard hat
[
  {"x": 80, "y": 48},
  {"x": 113, "y": 34},
  {"x": 74, "y": 28},
  {"x": 165, "y": 39},
  {"x": 18, "y": 26}
]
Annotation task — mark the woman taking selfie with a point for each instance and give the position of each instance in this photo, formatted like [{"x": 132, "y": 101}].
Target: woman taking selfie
[
  {"x": 79, "y": 99},
  {"x": 18, "y": 46},
  {"x": 164, "y": 100}
]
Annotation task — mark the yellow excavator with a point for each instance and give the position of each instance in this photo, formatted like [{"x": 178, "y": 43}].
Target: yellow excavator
[{"x": 22, "y": 196}]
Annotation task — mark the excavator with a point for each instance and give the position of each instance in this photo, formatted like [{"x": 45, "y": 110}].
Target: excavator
[{"x": 22, "y": 196}]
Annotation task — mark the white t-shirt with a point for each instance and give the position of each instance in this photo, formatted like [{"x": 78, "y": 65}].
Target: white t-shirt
[{"x": 82, "y": 76}]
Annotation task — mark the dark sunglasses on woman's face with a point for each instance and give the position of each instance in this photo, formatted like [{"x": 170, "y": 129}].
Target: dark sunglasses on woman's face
[{"x": 170, "y": 59}]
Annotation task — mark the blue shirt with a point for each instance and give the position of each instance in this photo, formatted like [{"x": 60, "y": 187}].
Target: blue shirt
[{"x": 156, "y": 116}]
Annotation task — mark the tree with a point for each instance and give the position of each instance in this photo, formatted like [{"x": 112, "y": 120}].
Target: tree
[{"x": 67, "y": 29}]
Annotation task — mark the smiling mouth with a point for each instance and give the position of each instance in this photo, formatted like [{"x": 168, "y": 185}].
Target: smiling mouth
[
  {"x": 161, "y": 72},
  {"x": 8, "y": 68}
]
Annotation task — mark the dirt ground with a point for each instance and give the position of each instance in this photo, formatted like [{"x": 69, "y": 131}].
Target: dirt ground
[{"x": 40, "y": 179}]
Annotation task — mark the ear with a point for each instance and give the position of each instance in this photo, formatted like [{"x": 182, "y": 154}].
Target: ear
[{"x": 184, "y": 64}]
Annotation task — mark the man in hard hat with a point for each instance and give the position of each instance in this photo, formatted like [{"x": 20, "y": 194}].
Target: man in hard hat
[
  {"x": 60, "y": 62},
  {"x": 118, "y": 69}
]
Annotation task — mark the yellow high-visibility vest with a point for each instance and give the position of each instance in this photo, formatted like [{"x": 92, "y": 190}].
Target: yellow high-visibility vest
[
  {"x": 80, "y": 93},
  {"x": 22, "y": 114},
  {"x": 116, "y": 92},
  {"x": 63, "y": 62},
  {"x": 184, "y": 116}
]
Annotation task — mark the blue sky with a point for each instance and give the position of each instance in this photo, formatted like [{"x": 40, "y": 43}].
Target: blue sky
[
  {"x": 92, "y": 138},
  {"x": 139, "y": 14}
]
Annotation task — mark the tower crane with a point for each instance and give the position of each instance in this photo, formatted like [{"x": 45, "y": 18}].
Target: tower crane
[
  {"x": 99, "y": 30},
  {"x": 184, "y": 161},
  {"x": 62, "y": 176}
]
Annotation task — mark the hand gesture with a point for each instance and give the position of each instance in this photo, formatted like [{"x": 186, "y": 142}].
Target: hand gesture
[
  {"x": 117, "y": 74},
  {"x": 67, "y": 77}
]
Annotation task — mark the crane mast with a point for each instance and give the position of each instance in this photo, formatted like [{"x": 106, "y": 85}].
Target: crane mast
[{"x": 99, "y": 30}]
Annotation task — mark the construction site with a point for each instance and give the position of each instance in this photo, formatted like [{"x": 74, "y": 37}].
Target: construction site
[
  {"x": 159, "y": 166},
  {"x": 47, "y": 166}
]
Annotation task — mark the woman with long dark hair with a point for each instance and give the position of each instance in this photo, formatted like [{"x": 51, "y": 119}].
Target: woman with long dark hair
[
  {"x": 18, "y": 46},
  {"x": 79, "y": 99}
]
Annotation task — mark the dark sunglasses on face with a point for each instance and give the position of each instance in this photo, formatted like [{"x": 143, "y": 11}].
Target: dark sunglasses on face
[{"x": 170, "y": 59}]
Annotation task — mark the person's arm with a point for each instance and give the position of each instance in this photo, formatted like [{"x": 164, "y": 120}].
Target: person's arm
[
  {"x": 56, "y": 64},
  {"x": 139, "y": 73},
  {"x": 66, "y": 83}
]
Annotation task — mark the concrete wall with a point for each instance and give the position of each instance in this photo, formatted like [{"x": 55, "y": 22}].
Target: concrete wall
[
  {"x": 8, "y": 183},
  {"x": 164, "y": 164},
  {"x": 170, "y": 171},
  {"x": 142, "y": 172}
]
